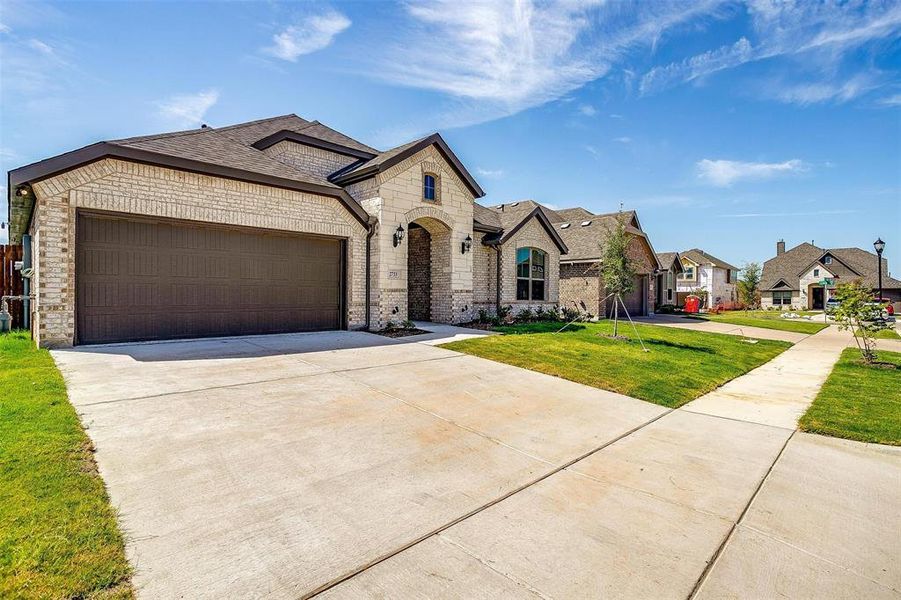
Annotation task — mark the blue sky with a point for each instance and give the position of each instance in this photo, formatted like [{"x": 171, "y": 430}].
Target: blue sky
[{"x": 726, "y": 125}]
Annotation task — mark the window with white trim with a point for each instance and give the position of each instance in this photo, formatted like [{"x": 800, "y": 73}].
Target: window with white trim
[{"x": 531, "y": 273}]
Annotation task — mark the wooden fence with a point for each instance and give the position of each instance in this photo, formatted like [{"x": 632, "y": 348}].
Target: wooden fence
[{"x": 11, "y": 283}]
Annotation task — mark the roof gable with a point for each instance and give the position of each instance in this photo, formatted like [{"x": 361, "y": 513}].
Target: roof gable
[{"x": 385, "y": 160}]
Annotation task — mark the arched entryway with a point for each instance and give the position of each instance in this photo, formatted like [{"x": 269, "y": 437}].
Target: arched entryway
[{"x": 429, "y": 270}]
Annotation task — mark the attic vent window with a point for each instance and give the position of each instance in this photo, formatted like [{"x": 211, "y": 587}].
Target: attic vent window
[
  {"x": 585, "y": 223},
  {"x": 827, "y": 260},
  {"x": 565, "y": 226}
]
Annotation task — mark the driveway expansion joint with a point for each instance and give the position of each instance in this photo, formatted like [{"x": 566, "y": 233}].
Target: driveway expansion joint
[{"x": 339, "y": 580}]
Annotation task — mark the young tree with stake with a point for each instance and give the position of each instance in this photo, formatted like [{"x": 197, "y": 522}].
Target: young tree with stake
[{"x": 616, "y": 266}]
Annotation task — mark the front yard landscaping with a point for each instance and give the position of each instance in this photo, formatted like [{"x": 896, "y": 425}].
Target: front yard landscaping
[
  {"x": 680, "y": 366},
  {"x": 767, "y": 319},
  {"x": 58, "y": 533},
  {"x": 859, "y": 401}
]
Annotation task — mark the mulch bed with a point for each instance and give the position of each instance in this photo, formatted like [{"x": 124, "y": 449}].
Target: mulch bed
[
  {"x": 399, "y": 333},
  {"x": 477, "y": 325}
]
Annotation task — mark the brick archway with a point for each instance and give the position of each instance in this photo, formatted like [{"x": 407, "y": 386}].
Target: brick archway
[{"x": 429, "y": 267}]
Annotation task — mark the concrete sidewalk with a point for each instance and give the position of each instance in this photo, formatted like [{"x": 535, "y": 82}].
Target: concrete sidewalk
[
  {"x": 778, "y": 392},
  {"x": 726, "y": 328},
  {"x": 647, "y": 515}
]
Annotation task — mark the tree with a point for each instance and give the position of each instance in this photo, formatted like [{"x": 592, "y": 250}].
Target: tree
[
  {"x": 749, "y": 284},
  {"x": 616, "y": 266},
  {"x": 855, "y": 313}
]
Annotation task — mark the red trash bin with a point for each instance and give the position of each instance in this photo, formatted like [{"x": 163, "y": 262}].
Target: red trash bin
[{"x": 692, "y": 304}]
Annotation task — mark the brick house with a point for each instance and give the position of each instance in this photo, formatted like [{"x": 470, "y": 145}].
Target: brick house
[
  {"x": 584, "y": 234},
  {"x": 701, "y": 270},
  {"x": 791, "y": 279},
  {"x": 670, "y": 269},
  {"x": 275, "y": 225}
]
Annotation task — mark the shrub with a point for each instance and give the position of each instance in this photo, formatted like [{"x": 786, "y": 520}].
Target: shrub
[
  {"x": 484, "y": 317},
  {"x": 408, "y": 324},
  {"x": 570, "y": 314},
  {"x": 666, "y": 309},
  {"x": 525, "y": 315}
]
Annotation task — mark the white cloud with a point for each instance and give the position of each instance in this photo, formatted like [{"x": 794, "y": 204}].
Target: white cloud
[
  {"x": 40, "y": 46},
  {"x": 187, "y": 110},
  {"x": 623, "y": 140},
  {"x": 593, "y": 151},
  {"x": 813, "y": 93},
  {"x": 894, "y": 100},
  {"x": 694, "y": 67},
  {"x": 314, "y": 33},
  {"x": 823, "y": 32},
  {"x": 499, "y": 57},
  {"x": 587, "y": 110},
  {"x": 489, "y": 172},
  {"x": 615, "y": 116},
  {"x": 723, "y": 173}
]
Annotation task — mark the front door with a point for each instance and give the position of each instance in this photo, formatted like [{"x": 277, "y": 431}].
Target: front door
[{"x": 817, "y": 298}]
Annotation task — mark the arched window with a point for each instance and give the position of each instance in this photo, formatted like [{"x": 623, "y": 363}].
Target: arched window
[
  {"x": 428, "y": 187},
  {"x": 530, "y": 273}
]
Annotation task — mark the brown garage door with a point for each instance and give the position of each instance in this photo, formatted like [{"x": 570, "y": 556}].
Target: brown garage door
[
  {"x": 142, "y": 279},
  {"x": 634, "y": 300}
]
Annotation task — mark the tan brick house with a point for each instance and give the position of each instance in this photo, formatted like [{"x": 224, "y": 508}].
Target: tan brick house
[
  {"x": 276, "y": 225},
  {"x": 580, "y": 283}
]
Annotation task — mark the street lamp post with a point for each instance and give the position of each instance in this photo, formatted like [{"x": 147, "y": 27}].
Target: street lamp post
[{"x": 879, "y": 245}]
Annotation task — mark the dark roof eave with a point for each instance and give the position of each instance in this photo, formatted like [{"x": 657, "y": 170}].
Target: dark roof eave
[
  {"x": 483, "y": 228},
  {"x": 77, "y": 158},
  {"x": 292, "y": 136},
  {"x": 435, "y": 139},
  {"x": 542, "y": 218}
]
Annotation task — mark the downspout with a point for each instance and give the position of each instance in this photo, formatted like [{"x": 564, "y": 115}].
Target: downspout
[
  {"x": 369, "y": 234},
  {"x": 26, "y": 281},
  {"x": 497, "y": 284}
]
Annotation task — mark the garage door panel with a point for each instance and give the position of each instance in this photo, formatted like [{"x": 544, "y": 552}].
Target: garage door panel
[{"x": 164, "y": 279}]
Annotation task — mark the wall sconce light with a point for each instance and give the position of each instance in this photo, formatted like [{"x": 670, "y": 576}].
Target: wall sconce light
[
  {"x": 466, "y": 246},
  {"x": 398, "y": 235}
]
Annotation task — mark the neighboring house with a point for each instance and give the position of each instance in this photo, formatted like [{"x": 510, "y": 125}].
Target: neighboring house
[
  {"x": 704, "y": 271},
  {"x": 792, "y": 279},
  {"x": 576, "y": 275},
  {"x": 581, "y": 283},
  {"x": 276, "y": 225},
  {"x": 670, "y": 269}
]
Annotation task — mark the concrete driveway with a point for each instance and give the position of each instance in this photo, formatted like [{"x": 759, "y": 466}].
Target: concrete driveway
[{"x": 357, "y": 466}]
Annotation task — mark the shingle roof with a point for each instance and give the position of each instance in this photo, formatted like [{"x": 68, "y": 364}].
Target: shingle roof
[
  {"x": 248, "y": 133},
  {"x": 385, "y": 160},
  {"x": 668, "y": 259},
  {"x": 484, "y": 215},
  {"x": 583, "y": 241},
  {"x": 700, "y": 257},
  {"x": 211, "y": 146},
  {"x": 791, "y": 264}
]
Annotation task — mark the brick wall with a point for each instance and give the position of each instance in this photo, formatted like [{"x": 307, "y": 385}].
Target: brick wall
[
  {"x": 484, "y": 276},
  {"x": 530, "y": 235},
  {"x": 419, "y": 278},
  {"x": 395, "y": 198},
  {"x": 126, "y": 187},
  {"x": 307, "y": 159},
  {"x": 580, "y": 287}
]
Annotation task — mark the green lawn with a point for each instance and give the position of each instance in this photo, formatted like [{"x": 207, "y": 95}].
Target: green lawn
[
  {"x": 58, "y": 533},
  {"x": 859, "y": 402},
  {"x": 680, "y": 366},
  {"x": 887, "y": 334},
  {"x": 768, "y": 319}
]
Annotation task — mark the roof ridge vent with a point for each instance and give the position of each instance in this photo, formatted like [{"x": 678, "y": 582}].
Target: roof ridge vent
[
  {"x": 565, "y": 226},
  {"x": 585, "y": 223}
]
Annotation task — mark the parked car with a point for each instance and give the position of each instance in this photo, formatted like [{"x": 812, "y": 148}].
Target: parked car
[{"x": 831, "y": 305}]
